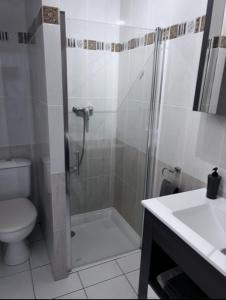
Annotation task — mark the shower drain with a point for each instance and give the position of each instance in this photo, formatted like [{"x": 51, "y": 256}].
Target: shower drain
[
  {"x": 223, "y": 251},
  {"x": 73, "y": 234}
]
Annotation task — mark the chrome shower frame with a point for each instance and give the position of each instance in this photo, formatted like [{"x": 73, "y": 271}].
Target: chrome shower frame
[{"x": 154, "y": 113}]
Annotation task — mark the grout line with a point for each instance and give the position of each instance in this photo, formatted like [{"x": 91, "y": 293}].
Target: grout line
[
  {"x": 82, "y": 284},
  {"x": 127, "y": 279},
  {"x": 132, "y": 271},
  {"x": 69, "y": 293},
  {"x": 32, "y": 280},
  {"x": 39, "y": 267},
  {"x": 106, "y": 280}
]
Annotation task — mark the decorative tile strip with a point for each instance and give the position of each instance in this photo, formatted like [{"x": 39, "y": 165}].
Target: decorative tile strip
[
  {"x": 203, "y": 23},
  {"x": 169, "y": 33},
  {"x": 100, "y": 46},
  {"x": 50, "y": 15},
  {"x": 200, "y": 24},
  {"x": 190, "y": 27},
  {"x": 174, "y": 32},
  {"x": 24, "y": 37},
  {"x": 197, "y": 24},
  {"x": 4, "y": 37},
  {"x": 166, "y": 34},
  {"x": 182, "y": 29},
  {"x": 219, "y": 42},
  {"x": 90, "y": 44}
]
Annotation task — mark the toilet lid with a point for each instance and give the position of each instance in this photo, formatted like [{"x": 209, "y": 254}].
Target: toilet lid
[{"x": 16, "y": 214}]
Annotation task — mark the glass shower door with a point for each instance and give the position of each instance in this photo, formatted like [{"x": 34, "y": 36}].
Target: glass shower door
[{"x": 110, "y": 75}]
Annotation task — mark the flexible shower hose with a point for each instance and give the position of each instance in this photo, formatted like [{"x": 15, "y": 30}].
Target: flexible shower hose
[{"x": 84, "y": 141}]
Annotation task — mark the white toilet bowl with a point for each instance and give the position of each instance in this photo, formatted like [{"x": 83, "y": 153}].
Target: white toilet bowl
[{"x": 17, "y": 220}]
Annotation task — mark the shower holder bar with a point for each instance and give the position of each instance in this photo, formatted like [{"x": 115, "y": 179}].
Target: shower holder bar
[
  {"x": 76, "y": 168},
  {"x": 176, "y": 171}
]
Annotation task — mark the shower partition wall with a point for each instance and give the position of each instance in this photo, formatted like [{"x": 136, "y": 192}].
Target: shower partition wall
[{"x": 110, "y": 69}]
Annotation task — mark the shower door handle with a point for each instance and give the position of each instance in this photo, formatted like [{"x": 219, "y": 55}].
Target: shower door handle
[
  {"x": 78, "y": 162},
  {"x": 76, "y": 168}
]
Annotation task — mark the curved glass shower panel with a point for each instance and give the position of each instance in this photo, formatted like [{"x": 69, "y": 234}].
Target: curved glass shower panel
[
  {"x": 135, "y": 82},
  {"x": 109, "y": 72}
]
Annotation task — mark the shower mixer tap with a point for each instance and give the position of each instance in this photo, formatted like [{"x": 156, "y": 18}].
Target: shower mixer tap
[{"x": 85, "y": 113}]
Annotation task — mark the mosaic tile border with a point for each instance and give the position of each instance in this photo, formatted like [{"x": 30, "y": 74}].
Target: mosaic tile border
[
  {"x": 169, "y": 33},
  {"x": 219, "y": 42},
  {"x": 24, "y": 38},
  {"x": 4, "y": 36},
  {"x": 50, "y": 15}
]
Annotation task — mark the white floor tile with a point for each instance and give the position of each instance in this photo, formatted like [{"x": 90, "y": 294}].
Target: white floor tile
[
  {"x": 117, "y": 288},
  {"x": 46, "y": 288},
  {"x": 151, "y": 293},
  {"x": 18, "y": 286},
  {"x": 130, "y": 263},
  {"x": 99, "y": 273},
  {"x": 39, "y": 256},
  {"x": 76, "y": 295},
  {"x": 134, "y": 279}
]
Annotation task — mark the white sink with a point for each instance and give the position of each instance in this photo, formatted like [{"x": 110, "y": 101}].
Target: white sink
[{"x": 208, "y": 221}]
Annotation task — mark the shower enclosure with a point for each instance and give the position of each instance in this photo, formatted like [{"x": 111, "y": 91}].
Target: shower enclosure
[{"x": 112, "y": 83}]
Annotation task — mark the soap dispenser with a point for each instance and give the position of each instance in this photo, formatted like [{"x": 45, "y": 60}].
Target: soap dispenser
[{"x": 213, "y": 184}]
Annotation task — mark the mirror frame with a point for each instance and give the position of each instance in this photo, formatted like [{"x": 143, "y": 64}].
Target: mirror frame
[{"x": 203, "y": 54}]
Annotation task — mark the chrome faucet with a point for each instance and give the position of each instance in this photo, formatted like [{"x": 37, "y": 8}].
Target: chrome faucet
[{"x": 85, "y": 113}]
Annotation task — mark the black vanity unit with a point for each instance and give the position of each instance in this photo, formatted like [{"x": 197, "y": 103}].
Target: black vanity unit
[{"x": 163, "y": 250}]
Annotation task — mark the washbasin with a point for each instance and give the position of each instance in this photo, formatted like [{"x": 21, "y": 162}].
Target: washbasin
[{"x": 208, "y": 221}]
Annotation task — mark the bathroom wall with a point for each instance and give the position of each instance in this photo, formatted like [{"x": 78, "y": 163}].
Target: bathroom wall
[
  {"x": 16, "y": 134},
  {"x": 46, "y": 82},
  {"x": 191, "y": 140}
]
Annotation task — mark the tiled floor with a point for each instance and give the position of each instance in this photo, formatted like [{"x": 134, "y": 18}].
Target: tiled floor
[{"x": 113, "y": 279}]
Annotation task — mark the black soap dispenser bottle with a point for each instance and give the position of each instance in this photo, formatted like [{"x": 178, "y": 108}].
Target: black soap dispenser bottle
[{"x": 213, "y": 184}]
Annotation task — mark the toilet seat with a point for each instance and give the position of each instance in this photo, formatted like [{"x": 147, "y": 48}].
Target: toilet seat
[{"x": 16, "y": 214}]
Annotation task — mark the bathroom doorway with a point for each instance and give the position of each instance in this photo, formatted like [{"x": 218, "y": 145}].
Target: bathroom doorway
[{"x": 112, "y": 77}]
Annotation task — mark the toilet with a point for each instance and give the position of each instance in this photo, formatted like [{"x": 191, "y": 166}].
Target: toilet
[{"x": 17, "y": 213}]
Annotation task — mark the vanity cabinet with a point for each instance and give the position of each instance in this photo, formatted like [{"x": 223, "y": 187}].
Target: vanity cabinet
[{"x": 163, "y": 250}]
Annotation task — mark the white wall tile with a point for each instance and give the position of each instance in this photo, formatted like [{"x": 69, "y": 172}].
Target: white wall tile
[
  {"x": 53, "y": 64},
  {"x": 154, "y": 13},
  {"x": 89, "y": 10},
  {"x": 39, "y": 255},
  {"x": 56, "y": 139},
  {"x": 182, "y": 63},
  {"x": 172, "y": 135}
]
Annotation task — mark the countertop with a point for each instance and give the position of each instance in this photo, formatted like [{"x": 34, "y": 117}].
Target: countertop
[{"x": 163, "y": 209}]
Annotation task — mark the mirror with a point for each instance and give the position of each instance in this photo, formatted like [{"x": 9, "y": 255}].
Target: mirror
[{"x": 210, "y": 94}]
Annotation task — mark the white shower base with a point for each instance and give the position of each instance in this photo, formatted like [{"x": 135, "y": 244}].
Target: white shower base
[{"x": 101, "y": 235}]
